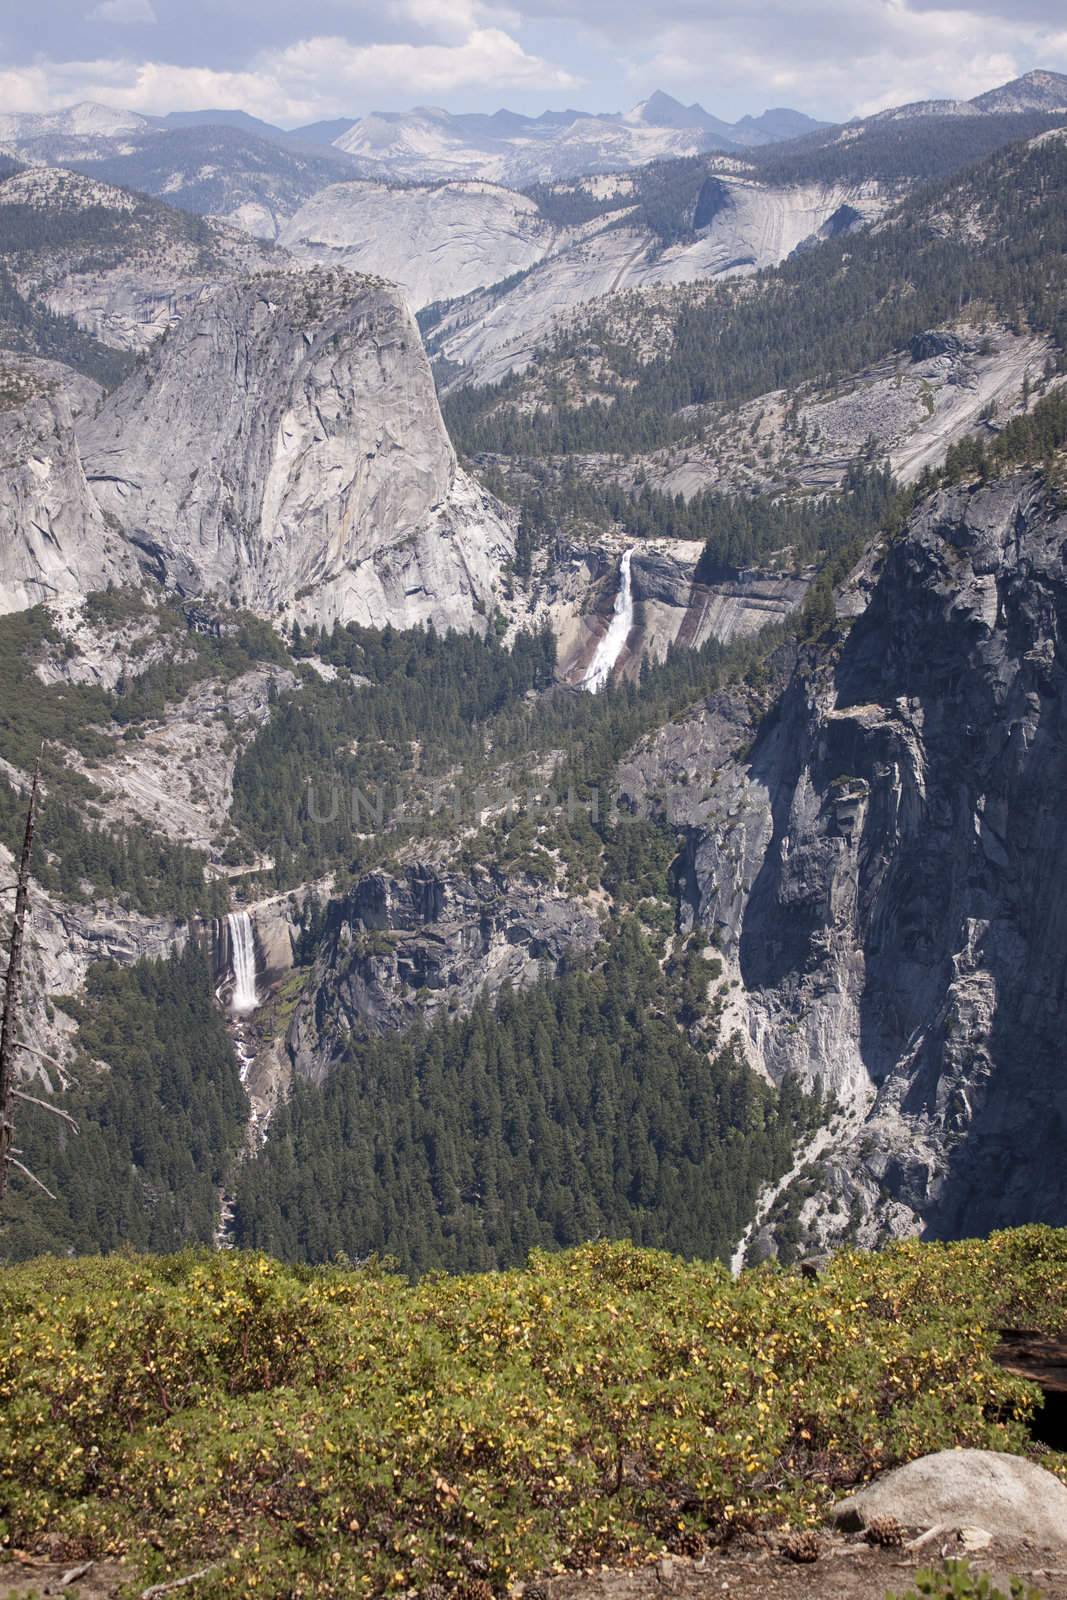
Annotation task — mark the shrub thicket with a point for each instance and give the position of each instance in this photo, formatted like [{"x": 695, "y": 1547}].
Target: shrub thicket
[{"x": 340, "y": 1432}]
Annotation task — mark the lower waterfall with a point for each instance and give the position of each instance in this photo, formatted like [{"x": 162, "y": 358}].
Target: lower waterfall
[
  {"x": 612, "y": 645},
  {"x": 243, "y": 950}
]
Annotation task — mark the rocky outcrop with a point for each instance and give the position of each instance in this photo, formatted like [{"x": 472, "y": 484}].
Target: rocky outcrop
[
  {"x": 124, "y": 267},
  {"x": 955, "y": 382},
  {"x": 177, "y": 778},
  {"x": 671, "y": 607},
  {"x": 63, "y": 940},
  {"x": 54, "y": 540},
  {"x": 423, "y": 944},
  {"x": 283, "y": 448},
  {"x": 435, "y": 241},
  {"x": 884, "y": 868},
  {"x": 1007, "y": 1496},
  {"x": 492, "y": 332}
]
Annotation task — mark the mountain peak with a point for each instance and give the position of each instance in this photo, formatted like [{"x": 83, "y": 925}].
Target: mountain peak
[
  {"x": 662, "y": 110},
  {"x": 1039, "y": 90}
]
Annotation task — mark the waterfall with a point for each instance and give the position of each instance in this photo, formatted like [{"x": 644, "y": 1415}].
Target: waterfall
[
  {"x": 243, "y": 951},
  {"x": 612, "y": 645}
]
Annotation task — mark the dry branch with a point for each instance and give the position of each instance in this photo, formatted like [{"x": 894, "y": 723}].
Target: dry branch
[
  {"x": 45, "y": 1105},
  {"x": 177, "y": 1583},
  {"x": 13, "y": 1162}
]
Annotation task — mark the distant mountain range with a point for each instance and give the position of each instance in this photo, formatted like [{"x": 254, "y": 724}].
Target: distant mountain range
[
  {"x": 429, "y": 142},
  {"x": 1034, "y": 91},
  {"x": 230, "y": 164}
]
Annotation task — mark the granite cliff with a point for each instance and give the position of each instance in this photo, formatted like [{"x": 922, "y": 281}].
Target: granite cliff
[
  {"x": 881, "y": 861},
  {"x": 283, "y": 447},
  {"x": 54, "y": 540}
]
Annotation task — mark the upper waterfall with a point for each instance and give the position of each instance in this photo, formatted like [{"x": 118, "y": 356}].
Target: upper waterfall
[
  {"x": 243, "y": 949},
  {"x": 612, "y": 645}
]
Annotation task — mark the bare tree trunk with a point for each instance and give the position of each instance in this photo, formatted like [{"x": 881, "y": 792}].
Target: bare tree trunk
[{"x": 9, "y": 1024}]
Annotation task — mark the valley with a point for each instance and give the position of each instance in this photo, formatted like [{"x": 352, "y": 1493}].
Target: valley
[
  {"x": 531, "y": 854},
  {"x": 597, "y": 619}
]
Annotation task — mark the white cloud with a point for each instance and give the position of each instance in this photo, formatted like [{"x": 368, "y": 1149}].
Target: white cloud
[
  {"x": 831, "y": 57},
  {"x": 837, "y": 57},
  {"x": 486, "y": 55},
  {"x": 311, "y": 78},
  {"x": 123, "y": 11},
  {"x": 454, "y": 18}
]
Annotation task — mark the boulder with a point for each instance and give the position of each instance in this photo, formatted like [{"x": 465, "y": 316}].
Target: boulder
[
  {"x": 935, "y": 342},
  {"x": 1009, "y": 1497}
]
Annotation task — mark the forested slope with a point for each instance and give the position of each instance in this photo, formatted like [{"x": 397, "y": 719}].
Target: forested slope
[{"x": 992, "y": 239}]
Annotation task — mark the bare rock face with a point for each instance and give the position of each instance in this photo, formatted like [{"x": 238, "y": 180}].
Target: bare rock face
[
  {"x": 1007, "y": 1496},
  {"x": 124, "y": 267},
  {"x": 883, "y": 860},
  {"x": 436, "y": 241},
  {"x": 671, "y": 606},
  {"x": 54, "y": 541},
  {"x": 283, "y": 448},
  {"x": 427, "y": 943},
  {"x": 498, "y": 330}
]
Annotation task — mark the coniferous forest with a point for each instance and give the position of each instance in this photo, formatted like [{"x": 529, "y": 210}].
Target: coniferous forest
[
  {"x": 575, "y": 1110},
  {"x": 161, "y": 1113}
]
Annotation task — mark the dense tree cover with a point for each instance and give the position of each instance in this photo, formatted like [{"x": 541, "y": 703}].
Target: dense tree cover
[
  {"x": 429, "y": 703},
  {"x": 582, "y": 736},
  {"x": 26, "y": 229},
  {"x": 820, "y": 315},
  {"x": 313, "y": 1435},
  {"x": 161, "y": 1113},
  {"x": 77, "y": 715},
  {"x": 897, "y": 150},
  {"x": 284, "y": 780},
  {"x": 569, "y": 205},
  {"x": 672, "y": 199},
  {"x": 738, "y": 530},
  {"x": 132, "y": 867},
  {"x": 464, "y": 705},
  {"x": 574, "y": 1110}
]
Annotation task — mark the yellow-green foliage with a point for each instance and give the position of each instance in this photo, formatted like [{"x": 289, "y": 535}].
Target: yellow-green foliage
[{"x": 338, "y": 1432}]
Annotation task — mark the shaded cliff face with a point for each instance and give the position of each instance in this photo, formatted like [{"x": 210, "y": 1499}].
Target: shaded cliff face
[
  {"x": 283, "y": 447},
  {"x": 54, "y": 541},
  {"x": 886, "y": 871},
  {"x": 426, "y": 943}
]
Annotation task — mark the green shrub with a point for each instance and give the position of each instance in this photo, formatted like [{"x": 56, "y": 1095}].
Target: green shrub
[
  {"x": 956, "y": 1581},
  {"x": 329, "y": 1432}
]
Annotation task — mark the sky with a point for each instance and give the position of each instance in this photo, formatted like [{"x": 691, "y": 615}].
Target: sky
[{"x": 293, "y": 63}]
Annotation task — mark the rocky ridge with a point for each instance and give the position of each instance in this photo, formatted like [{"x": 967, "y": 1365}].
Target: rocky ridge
[
  {"x": 437, "y": 242},
  {"x": 283, "y": 449},
  {"x": 123, "y": 267},
  {"x": 404, "y": 948},
  {"x": 880, "y": 862},
  {"x": 496, "y": 331},
  {"x": 54, "y": 539}
]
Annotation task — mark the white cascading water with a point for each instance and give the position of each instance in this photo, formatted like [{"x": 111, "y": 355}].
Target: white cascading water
[
  {"x": 243, "y": 950},
  {"x": 612, "y": 645}
]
